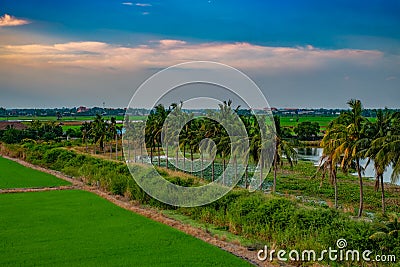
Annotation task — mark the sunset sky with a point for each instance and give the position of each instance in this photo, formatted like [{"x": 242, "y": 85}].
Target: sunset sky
[{"x": 300, "y": 53}]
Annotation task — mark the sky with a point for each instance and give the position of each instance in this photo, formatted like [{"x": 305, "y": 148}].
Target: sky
[{"x": 305, "y": 54}]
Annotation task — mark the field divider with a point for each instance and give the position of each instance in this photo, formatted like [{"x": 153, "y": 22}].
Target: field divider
[
  {"x": 38, "y": 189},
  {"x": 133, "y": 206}
]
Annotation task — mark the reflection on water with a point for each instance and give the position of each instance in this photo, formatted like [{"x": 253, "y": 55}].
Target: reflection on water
[{"x": 314, "y": 154}]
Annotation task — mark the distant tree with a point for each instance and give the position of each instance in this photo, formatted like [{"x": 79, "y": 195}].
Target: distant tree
[
  {"x": 307, "y": 130},
  {"x": 99, "y": 131},
  {"x": 59, "y": 116},
  {"x": 3, "y": 111}
]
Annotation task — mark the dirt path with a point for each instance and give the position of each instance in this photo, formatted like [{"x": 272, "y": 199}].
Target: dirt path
[
  {"x": 154, "y": 214},
  {"x": 33, "y": 189}
]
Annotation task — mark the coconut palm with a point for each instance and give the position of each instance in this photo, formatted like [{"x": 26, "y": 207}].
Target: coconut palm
[
  {"x": 348, "y": 131},
  {"x": 283, "y": 147},
  {"x": 329, "y": 160},
  {"x": 375, "y": 130},
  {"x": 99, "y": 131},
  {"x": 86, "y": 129},
  {"x": 384, "y": 147}
]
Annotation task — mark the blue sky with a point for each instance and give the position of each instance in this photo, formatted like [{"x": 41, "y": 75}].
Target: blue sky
[{"x": 300, "y": 53}]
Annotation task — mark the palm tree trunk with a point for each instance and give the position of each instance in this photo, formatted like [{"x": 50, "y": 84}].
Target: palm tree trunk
[
  {"x": 191, "y": 157},
  {"x": 129, "y": 151},
  {"x": 235, "y": 162},
  {"x": 184, "y": 156},
  {"x": 176, "y": 159},
  {"x": 159, "y": 156},
  {"x": 275, "y": 169},
  {"x": 116, "y": 147},
  {"x": 151, "y": 153},
  {"x": 141, "y": 151},
  {"x": 383, "y": 195},
  {"x": 223, "y": 169},
  {"x": 377, "y": 181},
  {"x": 202, "y": 163},
  {"x": 212, "y": 171},
  {"x": 246, "y": 176},
  {"x": 336, "y": 189},
  {"x": 166, "y": 154},
  {"x": 361, "y": 206},
  {"x": 261, "y": 170}
]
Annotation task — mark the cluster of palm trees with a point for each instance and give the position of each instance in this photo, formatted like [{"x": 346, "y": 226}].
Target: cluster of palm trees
[
  {"x": 207, "y": 138},
  {"x": 100, "y": 131},
  {"x": 351, "y": 137},
  {"x": 349, "y": 140}
]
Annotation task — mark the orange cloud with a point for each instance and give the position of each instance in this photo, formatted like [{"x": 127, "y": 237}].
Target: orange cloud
[
  {"x": 164, "y": 53},
  {"x": 8, "y": 20}
]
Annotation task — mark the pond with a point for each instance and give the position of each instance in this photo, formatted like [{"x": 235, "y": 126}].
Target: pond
[{"x": 314, "y": 154}]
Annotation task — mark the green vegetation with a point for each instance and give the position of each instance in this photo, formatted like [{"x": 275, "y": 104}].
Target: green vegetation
[
  {"x": 299, "y": 213},
  {"x": 292, "y": 121},
  {"x": 77, "y": 228},
  {"x": 307, "y": 130},
  {"x": 352, "y": 137},
  {"x": 287, "y": 222},
  {"x": 14, "y": 175}
]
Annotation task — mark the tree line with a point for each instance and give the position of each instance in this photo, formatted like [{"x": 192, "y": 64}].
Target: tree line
[{"x": 351, "y": 138}]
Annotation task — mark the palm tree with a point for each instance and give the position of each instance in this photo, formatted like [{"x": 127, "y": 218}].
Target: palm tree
[
  {"x": 282, "y": 147},
  {"x": 329, "y": 161},
  {"x": 384, "y": 147},
  {"x": 348, "y": 131},
  {"x": 86, "y": 129},
  {"x": 99, "y": 131}
]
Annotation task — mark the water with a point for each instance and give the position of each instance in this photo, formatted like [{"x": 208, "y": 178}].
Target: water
[{"x": 314, "y": 154}]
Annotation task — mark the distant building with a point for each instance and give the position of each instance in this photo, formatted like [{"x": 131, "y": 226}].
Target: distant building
[{"x": 82, "y": 109}]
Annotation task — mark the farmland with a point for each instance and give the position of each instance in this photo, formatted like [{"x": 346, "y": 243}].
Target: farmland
[
  {"x": 75, "y": 227},
  {"x": 13, "y": 175}
]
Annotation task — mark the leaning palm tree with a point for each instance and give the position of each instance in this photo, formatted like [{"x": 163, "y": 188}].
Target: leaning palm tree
[
  {"x": 329, "y": 160},
  {"x": 348, "y": 131}
]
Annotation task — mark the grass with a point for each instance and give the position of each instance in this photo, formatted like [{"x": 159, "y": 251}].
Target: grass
[
  {"x": 299, "y": 181},
  {"x": 14, "y": 175},
  {"x": 78, "y": 228},
  {"x": 292, "y": 121}
]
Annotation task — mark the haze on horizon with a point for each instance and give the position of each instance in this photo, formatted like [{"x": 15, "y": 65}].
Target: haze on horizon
[{"x": 309, "y": 55}]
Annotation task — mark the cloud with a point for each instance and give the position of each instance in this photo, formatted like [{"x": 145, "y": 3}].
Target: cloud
[
  {"x": 8, "y": 20},
  {"x": 390, "y": 78},
  {"x": 143, "y": 4},
  {"x": 170, "y": 43},
  {"x": 145, "y": 13},
  {"x": 164, "y": 53},
  {"x": 127, "y": 3}
]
